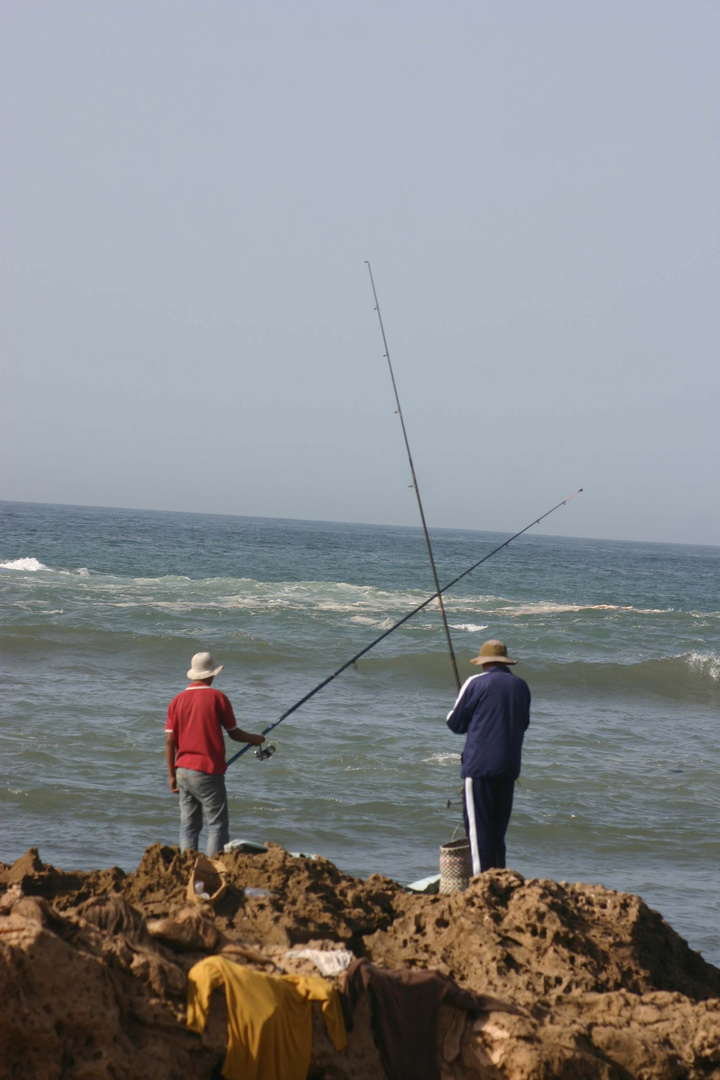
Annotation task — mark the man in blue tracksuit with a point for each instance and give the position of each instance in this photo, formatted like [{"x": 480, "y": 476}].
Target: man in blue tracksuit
[{"x": 493, "y": 711}]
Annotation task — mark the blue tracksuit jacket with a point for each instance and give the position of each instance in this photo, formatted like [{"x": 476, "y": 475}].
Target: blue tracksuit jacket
[{"x": 493, "y": 709}]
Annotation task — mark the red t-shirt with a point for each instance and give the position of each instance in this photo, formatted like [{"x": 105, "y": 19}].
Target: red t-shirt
[{"x": 196, "y": 719}]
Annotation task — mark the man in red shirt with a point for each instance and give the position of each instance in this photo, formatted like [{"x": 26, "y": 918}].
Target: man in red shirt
[{"x": 195, "y": 752}]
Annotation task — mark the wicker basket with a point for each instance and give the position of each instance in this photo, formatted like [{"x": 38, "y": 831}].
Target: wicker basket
[{"x": 455, "y": 865}]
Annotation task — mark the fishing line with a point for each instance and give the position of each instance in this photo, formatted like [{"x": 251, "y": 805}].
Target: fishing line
[
  {"x": 438, "y": 590},
  {"x": 400, "y": 622}
]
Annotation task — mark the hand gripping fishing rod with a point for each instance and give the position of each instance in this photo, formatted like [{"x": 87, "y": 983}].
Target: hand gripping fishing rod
[
  {"x": 400, "y": 622},
  {"x": 438, "y": 590}
]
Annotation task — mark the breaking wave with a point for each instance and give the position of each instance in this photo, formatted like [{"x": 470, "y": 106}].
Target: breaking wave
[
  {"x": 692, "y": 676},
  {"x": 32, "y": 565},
  {"x": 704, "y": 663},
  {"x": 23, "y": 564}
]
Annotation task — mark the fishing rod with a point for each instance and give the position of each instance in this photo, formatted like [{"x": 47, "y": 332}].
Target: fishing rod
[
  {"x": 414, "y": 484},
  {"x": 398, "y": 624}
]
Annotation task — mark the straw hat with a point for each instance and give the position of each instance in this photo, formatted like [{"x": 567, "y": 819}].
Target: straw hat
[
  {"x": 493, "y": 652},
  {"x": 202, "y": 666}
]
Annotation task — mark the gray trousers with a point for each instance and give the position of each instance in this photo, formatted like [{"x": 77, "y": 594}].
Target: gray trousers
[{"x": 202, "y": 793}]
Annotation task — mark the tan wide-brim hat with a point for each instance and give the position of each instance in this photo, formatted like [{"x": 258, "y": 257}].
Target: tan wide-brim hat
[
  {"x": 202, "y": 666},
  {"x": 493, "y": 652}
]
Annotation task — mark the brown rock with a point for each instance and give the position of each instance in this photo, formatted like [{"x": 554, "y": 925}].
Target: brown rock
[
  {"x": 93, "y": 971},
  {"x": 190, "y": 931}
]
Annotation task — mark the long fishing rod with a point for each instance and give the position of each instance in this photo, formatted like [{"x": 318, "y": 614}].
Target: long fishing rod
[
  {"x": 438, "y": 590},
  {"x": 400, "y": 622}
]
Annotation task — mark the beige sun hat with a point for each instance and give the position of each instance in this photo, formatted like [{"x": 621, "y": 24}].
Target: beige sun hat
[
  {"x": 493, "y": 652},
  {"x": 202, "y": 666}
]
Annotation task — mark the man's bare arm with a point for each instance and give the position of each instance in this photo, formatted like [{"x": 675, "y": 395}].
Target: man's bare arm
[
  {"x": 237, "y": 735},
  {"x": 170, "y": 758}
]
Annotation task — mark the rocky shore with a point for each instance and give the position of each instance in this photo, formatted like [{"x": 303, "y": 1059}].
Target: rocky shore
[{"x": 93, "y": 970}]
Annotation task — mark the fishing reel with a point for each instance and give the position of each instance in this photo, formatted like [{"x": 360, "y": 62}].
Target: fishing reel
[{"x": 262, "y": 753}]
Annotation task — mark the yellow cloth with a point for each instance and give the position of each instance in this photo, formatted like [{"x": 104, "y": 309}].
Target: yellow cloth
[{"x": 269, "y": 1018}]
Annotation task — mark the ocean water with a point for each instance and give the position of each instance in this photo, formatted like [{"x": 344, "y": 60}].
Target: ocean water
[{"x": 620, "y": 643}]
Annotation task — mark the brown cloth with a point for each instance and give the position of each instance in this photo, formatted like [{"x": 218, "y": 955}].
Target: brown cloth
[{"x": 404, "y": 1008}]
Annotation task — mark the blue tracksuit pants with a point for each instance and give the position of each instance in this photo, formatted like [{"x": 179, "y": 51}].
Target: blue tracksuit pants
[{"x": 487, "y": 806}]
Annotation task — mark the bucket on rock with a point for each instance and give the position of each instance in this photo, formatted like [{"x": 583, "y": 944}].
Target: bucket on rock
[{"x": 455, "y": 864}]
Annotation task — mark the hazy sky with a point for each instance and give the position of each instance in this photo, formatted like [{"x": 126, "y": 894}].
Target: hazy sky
[{"x": 191, "y": 190}]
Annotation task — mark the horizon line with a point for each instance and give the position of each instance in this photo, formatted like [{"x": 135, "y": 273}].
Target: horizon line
[{"x": 330, "y": 521}]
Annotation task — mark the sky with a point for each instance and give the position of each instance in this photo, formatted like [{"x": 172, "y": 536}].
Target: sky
[{"x": 189, "y": 195}]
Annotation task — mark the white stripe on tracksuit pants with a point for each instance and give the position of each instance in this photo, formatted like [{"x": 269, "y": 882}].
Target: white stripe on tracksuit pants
[{"x": 470, "y": 804}]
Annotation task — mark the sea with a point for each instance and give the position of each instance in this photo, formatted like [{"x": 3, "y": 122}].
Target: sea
[{"x": 102, "y": 610}]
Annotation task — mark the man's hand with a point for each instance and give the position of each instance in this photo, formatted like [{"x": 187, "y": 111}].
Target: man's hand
[
  {"x": 173, "y": 784},
  {"x": 256, "y": 740}
]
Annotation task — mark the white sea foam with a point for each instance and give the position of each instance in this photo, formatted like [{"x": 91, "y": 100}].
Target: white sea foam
[
  {"x": 551, "y": 608},
  {"x": 327, "y": 606},
  {"x": 541, "y": 608},
  {"x": 629, "y": 607},
  {"x": 34, "y": 565},
  {"x": 441, "y": 758},
  {"x": 705, "y": 662},
  {"x": 365, "y": 620},
  {"x": 23, "y": 564},
  {"x": 471, "y": 628},
  {"x": 362, "y": 604}
]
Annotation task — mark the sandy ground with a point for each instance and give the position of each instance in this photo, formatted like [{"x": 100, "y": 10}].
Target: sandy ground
[{"x": 93, "y": 970}]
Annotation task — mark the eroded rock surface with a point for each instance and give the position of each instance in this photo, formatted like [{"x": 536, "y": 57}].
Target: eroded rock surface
[{"x": 93, "y": 970}]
